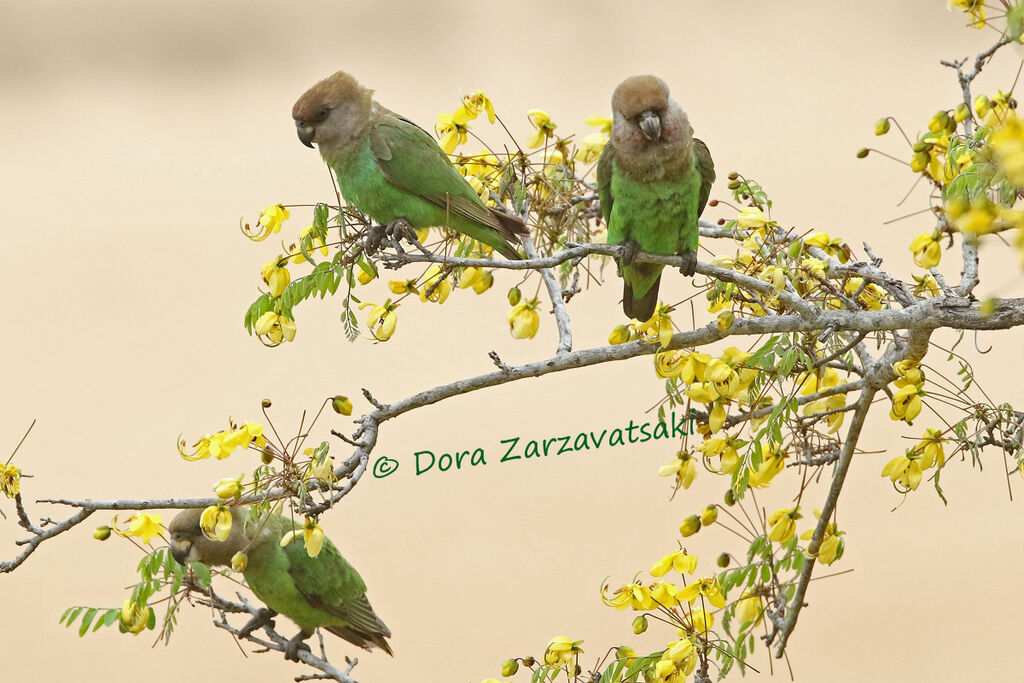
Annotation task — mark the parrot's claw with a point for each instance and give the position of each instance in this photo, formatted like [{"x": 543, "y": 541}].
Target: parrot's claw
[
  {"x": 629, "y": 251},
  {"x": 264, "y": 617},
  {"x": 399, "y": 229},
  {"x": 296, "y": 645},
  {"x": 689, "y": 265},
  {"x": 374, "y": 235}
]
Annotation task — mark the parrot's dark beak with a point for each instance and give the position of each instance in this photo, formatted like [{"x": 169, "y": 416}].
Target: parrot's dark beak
[
  {"x": 650, "y": 124},
  {"x": 305, "y": 133},
  {"x": 180, "y": 550}
]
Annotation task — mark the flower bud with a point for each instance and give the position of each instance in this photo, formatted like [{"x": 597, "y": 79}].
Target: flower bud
[
  {"x": 529, "y": 661},
  {"x": 514, "y": 296},
  {"x": 708, "y": 515},
  {"x": 266, "y": 456},
  {"x": 734, "y": 175},
  {"x": 919, "y": 162},
  {"x": 734, "y": 185},
  {"x": 723, "y": 560},
  {"x": 239, "y": 561},
  {"x": 882, "y": 126},
  {"x": 102, "y": 533},
  {"x": 620, "y": 335},
  {"x": 982, "y": 105},
  {"x": 690, "y": 525},
  {"x": 640, "y": 624},
  {"x": 725, "y": 320},
  {"x": 730, "y": 498},
  {"x": 938, "y": 121},
  {"x": 961, "y": 113},
  {"x": 920, "y": 146},
  {"x": 342, "y": 405},
  {"x": 509, "y": 668},
  {"x": 228, "y": 488},
  {"x": 862, "y": 152}
]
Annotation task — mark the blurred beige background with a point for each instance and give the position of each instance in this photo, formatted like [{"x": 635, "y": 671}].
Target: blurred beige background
[{"x": 135, "y": 135}]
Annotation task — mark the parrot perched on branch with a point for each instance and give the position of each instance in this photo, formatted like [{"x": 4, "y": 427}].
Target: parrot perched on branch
[
  {"x": 391, "y": 169},
  {"x": 653, "y": 180},
  {"x": 322, "y": 591}
]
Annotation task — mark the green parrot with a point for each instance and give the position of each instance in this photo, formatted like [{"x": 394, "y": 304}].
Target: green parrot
[
  {"x": 653, "y": 180},
  {"x": 391, "y": 169},
  {"x": 322, "y": 591}
]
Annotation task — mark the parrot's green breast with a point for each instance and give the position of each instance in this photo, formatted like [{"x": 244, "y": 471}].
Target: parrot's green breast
[
  {"x": 660, "y": 215},
  {"x": 363, "y": 185}
]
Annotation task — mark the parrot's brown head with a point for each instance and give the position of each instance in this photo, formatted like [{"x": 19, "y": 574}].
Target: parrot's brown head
[
  {"x": 332, "y": 113},
  {"x": 190, "y": 544},
  {"x": 644, "y": 116}
]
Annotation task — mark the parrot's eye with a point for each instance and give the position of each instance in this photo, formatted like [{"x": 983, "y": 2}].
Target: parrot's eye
[{"x": 320, "y": 114}]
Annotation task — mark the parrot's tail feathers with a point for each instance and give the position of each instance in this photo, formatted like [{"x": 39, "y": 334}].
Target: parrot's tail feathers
[
  {"x": 367, "y": 641},
  {"x": 643, "y": 308},
  {"x": 511, "y": 227}
]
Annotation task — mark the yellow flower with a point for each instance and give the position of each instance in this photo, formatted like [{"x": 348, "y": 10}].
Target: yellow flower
[
  {"x": 523, "y": 319},
  {"x": 228, "y": 488},
  {"x": 1008, "y": 148},
  {"x": 10, "y": 480},
  {"x": 664, "y": 594},
  {"x": 974, "y": 8},
  {"x": 980, "y": 219},
  {"x": 144, "y": 525},
  {"x": 315, "y": 242},
  {"x": 476, "y": 101},
  {"x": 702, "y": 392},
  {"x": 590, "y": 148},
  {"x": 701, "y": 621},
  {"x": 834, "y": 402},
  {"x": 906, "y": 403},
  {"x": 602, "y": 122},
  {"x": 365, "y": 276},
  {"x": 657, "y": 329},
  {"x": 926, "y": 287},
  {"x": 544, "y": 126},
  {"x": 134, "y": 617},
  {"x": 927, "y": 248},
  {"x": 271, "y": 219},
  {"x": 322, "y": 468},
  {"x": 467, "y": 276},
  {"x": 749, "y": 608},
  {"x": 312, "y": 536},
  {"x": 909, "y": 373},
  {"x": 726, "y": 449},
  {"x": 771, "y": 464},
  {"x": 275, "y": 327},
  {"x": 751, "y": 217},
  {"x": 276, "y": 277},
  {"x": 561, "y": 651},
  {"x": 707, "y": 587},
  {"x": 684, "y": 468},
  {"x": 679, "y": 560},
  {"x": 382, "y": 320},
  {"x": 904, "y": 471},
  {"x": 484, "y": 282},
  {"x": 782, "y": 524},
  {"x": 453, "y": 129},
  {"x": 930, "y": 449},
  {"x": 436, "y": 286},
  {"x": 831, "y": 548},
  {"x": 216, "y": 522}
]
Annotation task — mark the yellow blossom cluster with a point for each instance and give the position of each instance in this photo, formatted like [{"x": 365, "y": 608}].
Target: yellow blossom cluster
[
  {"x": 223, "y": 443},
  {"x": 907, "y": 471},
  {"x": 453, "y": 129},
  {"x": 906, "y": 401},
  {"x": 819, "y": 380},
  {"x": 10, "y": 480},
  {"x": 715, "y": 382}
]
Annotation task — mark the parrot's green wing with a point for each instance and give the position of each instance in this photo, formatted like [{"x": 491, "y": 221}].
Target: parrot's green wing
[
  {"x": 329, "y": 583},
  {"x": 411, "y": 161},
  {"x": 706, "y": 166},
  {"x": 604, "y": 180}
]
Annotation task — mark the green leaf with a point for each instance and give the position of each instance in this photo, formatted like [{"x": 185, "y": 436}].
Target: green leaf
[
  {"x": 75, "y": 611},
  {"x": 110, "y": 616},
  {"x": 90, "y": 614},
  {"x": 201, "y": 572}
]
